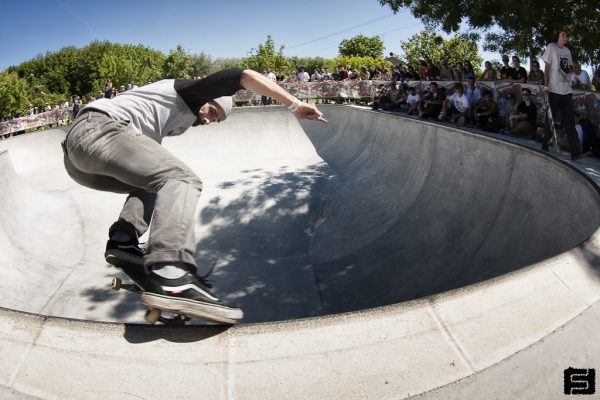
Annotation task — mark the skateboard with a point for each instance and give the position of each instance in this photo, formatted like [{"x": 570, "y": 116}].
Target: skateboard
[
  {"x": 155, "y": 314},
  {"x": 552, "y": 127}
]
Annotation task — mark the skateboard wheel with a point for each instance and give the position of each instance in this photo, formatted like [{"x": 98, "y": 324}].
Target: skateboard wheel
[
  {"x": 152, "y": 316},
  {"x": 116, "y": 283}
]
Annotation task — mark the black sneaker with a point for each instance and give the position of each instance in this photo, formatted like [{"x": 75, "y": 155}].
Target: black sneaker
[
  {"x": 188, "y": 295},
  {"x": 125, "y": 255}
]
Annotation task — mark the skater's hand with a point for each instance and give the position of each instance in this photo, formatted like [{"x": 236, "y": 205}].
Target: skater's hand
[{"x": 309, "y": 111}]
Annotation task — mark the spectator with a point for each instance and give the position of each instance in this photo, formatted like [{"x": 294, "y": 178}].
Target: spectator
[
  {"x": 326, "y": 74},
  {"x": 433, "y": 72},
  {"x": 108, "y": 89},
  {"x": 342, "y": 73},
  {"x": 579, "y": 78},
  {"x": 519, "y": 75},
  {"x": 364, "y": 73},
  {"x": 596, "y": 79},
  {"x": 458, "y": 72},
  {"x": 468, "y": 71},
  {"x": 412, "y": 101},
  {"x": 489, "y": 73},
  {"x": 76, "y": 106},
  {"x": 423, "y": 71},
  {"x": 431, "y": 105},
  {"x": 472, "y": 92},
  {"x": 265, "y": 100},
  {"x": 486, "y": 113},
  {"x": 536, "y": 75},
  {"x": 510, "y": 108},
  {"x": 411, "y": 74},
  {"x": 30, "y": 110},
  {"x": 280, "y": 77},
  {"x": 446, "y": 73},
  {"x": 303, "y": 76},
  {"x": 456, "y": 106},
  {"x": 48, "y": 107},
  {"x": 522, "y": 122},
  {"x": 560, "y": 94},
  {"x": 506, "y": 72}
]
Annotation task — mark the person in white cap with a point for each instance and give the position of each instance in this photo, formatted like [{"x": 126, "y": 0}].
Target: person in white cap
[{"x": 114, "y": 145}]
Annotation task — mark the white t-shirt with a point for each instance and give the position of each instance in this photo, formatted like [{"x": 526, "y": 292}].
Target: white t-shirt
[
  {"x": 560, "y": 62},
  {"x": 460, "y": 103},
  {"x": 303, "y": 76},
  {"x": 583, "y": 77},
  {"x": 413, "y": 99}
]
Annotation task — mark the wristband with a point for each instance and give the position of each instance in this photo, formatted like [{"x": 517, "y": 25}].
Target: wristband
[{"x": 295, "y": 105}]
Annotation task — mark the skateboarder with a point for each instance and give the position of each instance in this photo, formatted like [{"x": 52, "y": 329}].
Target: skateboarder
[
  {"x": 114, "y": 145},
  {"x": 557, "y": 75}
]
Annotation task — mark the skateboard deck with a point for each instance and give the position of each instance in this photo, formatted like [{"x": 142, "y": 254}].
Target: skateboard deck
[
  {"x": 155, "y": 313},
  {"x": 552, "y": 127}
]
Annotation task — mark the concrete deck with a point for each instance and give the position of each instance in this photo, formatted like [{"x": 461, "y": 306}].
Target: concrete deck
[{"x": 376, "y": 256}]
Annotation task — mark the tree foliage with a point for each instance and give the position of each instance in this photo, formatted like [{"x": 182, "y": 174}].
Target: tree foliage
[
  {"x": 522, "y": 27},
  {"x": 267, "y": 57},
  {"x": 362, "y": 46},
  {"x": 14, "y": 96},
  {"x": 430, "y": 46}
]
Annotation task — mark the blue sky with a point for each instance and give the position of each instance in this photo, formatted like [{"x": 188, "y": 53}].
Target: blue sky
[{"x": 217, "y": 28}]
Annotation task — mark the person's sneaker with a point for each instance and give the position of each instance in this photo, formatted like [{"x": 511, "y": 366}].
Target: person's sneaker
[
  {"x": 125, "y": 255},
  {"x": 188, "y": 295}
]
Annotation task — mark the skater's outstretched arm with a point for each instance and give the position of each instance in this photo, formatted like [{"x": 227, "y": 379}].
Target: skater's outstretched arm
[{"x": 252, "y": 80}]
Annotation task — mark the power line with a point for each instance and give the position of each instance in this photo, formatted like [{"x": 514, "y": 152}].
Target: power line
[{"x": 342, "y": 31}]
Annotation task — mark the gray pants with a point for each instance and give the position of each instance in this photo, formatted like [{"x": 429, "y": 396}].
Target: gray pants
[{"x": 109, "y": 155}]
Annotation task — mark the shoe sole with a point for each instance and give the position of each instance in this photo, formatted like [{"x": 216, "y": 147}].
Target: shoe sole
[
  {"x": 193, "y": 309},
  {"x": 125, "y": 261}
]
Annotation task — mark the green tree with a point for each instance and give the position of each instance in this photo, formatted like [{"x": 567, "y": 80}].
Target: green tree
[
  {"x": 200, "y": 64},
  {"x": 178, "y": 64},
  {"x": 522, "y": 27},
  {"x": 14, "y": 96},
  {"x": 362, "y": 46},
  {"x": 267, "y": 57},
  {"x": 430, "y": 46}
]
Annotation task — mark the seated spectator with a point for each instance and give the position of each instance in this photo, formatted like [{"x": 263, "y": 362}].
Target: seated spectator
[
  {"x": 489, "y": 73},
  {"x": 412, "y": 101},
  {"x": 431, "y": 104},
  {"x": 387, "y": 96},
  {"x": 446, "y": 73},
  {"x": 433, "y": 72},
  {"x": 519, "y": 75},
  {"x": 506, "y": 72},
  {"x": 579, "y": 78},
  {"x": 591, "y": 139},
  {"x": 522, "y": 121},
  {"x": 468, "y": 71},
  {"x": 486, "y": 113},
  {"x": 456, "y": 106},
  {"x": 509, "y": 109},
  {"x": 536, "y": 75}
]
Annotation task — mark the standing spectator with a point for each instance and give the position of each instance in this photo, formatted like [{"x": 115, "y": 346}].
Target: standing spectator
[
  {"x": 280, "y": 78},
  {"x": 458, "y": 72},
  {"x": 596, "y": 79},
  {"x": 76, "y": 106},
  {"x": 468, "y": 71},
  {"x": 445, "y": 71},
  {"x": 522, "y": 122},
  {"x": 30, "y": 110},
  {"x": 536, "y": 75},
  {"x": 433, "y": 72},
  {"x": 108, "y": 89},
  {"x": 473, "y": 93},
  {"x": 423, "y": 71},
  {"x": 266, "y": 100},
  {"x": 342, "y": 73},
  {"x": 560, "y": 94},
  {"x": 303, "y": 76},
  {"x": 48, "y": 107},
  {"x": 519, "y": 75},
  {"x": 456, "y": 106},
  {"x": 489, "y": 73},
  {"x": 579, "y": 78},
  {"x": 506, "y": 72}
]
